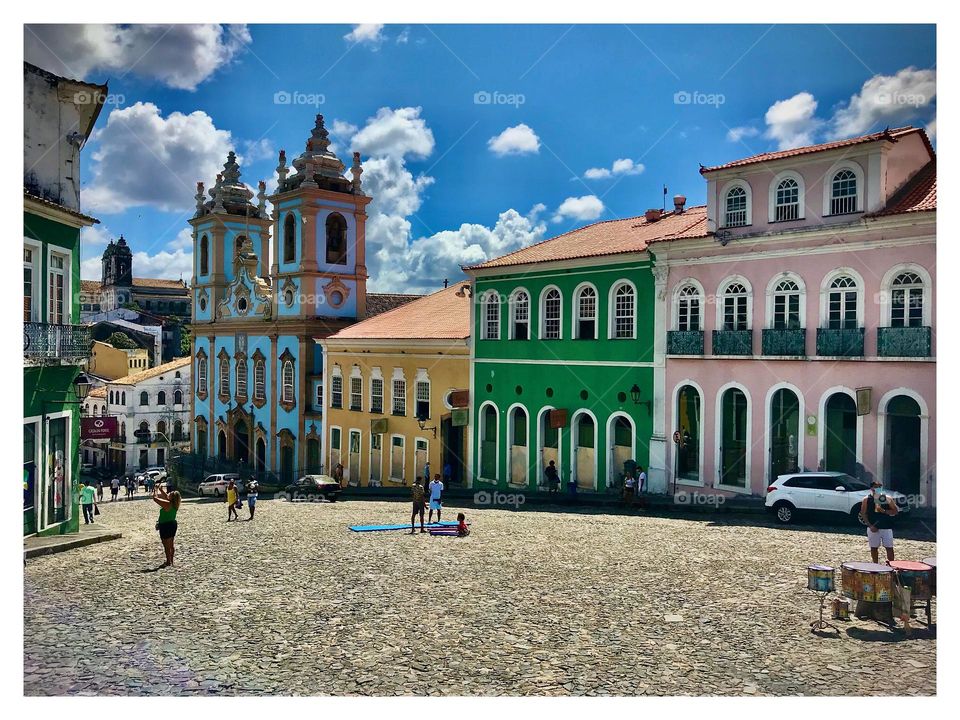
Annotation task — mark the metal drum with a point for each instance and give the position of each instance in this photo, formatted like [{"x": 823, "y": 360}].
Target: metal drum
[
  {"x": 932, "y": 562},
  {"x": 915, "y": 575},
  {"x": 869, "y": 582},
  {"x": 820, "y": 578}
]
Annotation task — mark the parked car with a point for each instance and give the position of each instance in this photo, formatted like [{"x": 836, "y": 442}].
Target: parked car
[
  {"x": 833, "y": 492},
  {"x": 216, "y": 485},
  {"x": 313, "y": 487},
  {"x": 154, "y": 474}
]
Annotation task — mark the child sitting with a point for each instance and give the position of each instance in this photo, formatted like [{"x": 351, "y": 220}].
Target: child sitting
[{"x": 462, "y": 529}]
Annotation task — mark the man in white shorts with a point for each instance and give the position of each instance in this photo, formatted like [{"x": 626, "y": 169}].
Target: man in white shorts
[
  {"x": 436, "y": 489},
  {"x": 878, "y": 510}
]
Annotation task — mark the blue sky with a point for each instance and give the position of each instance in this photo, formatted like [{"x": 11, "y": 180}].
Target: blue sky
[{"x": 477, "y": 140}]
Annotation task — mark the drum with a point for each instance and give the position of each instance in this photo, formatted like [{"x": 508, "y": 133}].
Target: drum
[
  {"x": 914, "y": 575},
  {"x": 932, "y": 562},
  {"x": 841, "y": 608},
  {"x": 820, "y": 578},
  {"x": 869, "y": 582}
]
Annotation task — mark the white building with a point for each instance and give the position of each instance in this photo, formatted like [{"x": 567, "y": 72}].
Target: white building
[{"x": 153, "y": 417}]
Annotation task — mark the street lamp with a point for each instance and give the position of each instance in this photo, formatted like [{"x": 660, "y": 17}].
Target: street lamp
[
  {"x": 635, "y": 394},
  {"x": 422, "y": 424}
]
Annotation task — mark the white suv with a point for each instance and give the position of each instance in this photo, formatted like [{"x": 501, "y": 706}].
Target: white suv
[{"x": 820, "y": 491}]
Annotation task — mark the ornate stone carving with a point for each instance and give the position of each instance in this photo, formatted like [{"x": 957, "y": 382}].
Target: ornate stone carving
[{"x": 336, "y": 293}]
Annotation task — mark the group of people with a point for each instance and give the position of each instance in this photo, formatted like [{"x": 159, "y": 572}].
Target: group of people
[
  {"x": 128, "y": 483},
  {"x": 234, "y": 503},
  {"x": 634, "y": 482},
  {"x": 419, "y": 497}
]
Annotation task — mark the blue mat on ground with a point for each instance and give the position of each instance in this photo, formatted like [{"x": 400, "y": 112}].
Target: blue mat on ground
[{"x": 406, "y": 526}]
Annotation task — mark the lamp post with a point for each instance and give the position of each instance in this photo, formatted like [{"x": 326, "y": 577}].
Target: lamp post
[
  {"x": 422, "y": 424},
  {"x": 635, "y": 395}
]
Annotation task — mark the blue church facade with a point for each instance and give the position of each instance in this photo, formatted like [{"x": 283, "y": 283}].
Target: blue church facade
[{"x": 265, "y": 286}]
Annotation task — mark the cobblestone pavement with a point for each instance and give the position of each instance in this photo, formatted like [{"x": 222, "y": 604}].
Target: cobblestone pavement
[{"x": 532, "y": 603}]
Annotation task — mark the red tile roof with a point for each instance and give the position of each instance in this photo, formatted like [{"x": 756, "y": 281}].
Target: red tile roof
[
  {"x": 610, "y": 237},
  {"x": 159, "y": 283},
  {"x": 889, "y": 134},
  {"x": 90, "y": 287},
  {"x": 918, "y": 194},
  {"x": 443, "y": 315},
  {"x": 382, "y": 302},
  {"x": 153, "y": 372}
]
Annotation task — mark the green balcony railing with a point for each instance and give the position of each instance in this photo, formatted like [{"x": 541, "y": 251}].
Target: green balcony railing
[
  {"x": 46, "y": 342},
  {"x": 903, "y": 341},
  {"x": 685, "y": 342},
  {"x": 733, "y": 342},
  {"x": 840, "y": 342},
  {"x": 784, "y": 341}
]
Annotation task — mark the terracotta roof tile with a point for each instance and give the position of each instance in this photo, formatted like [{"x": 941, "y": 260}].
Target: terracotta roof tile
[
  {"x": 153, "y": 372},
  {"x": 888, "y": 134},
  {"x": 382, "y": 302},
  {"x": 610, "y": 237},
  {"x": 444, "y": 315},
  {"x": 90, "y": 287},
  {"x": 100, "y": 392},
  {"x": 27, "y": 195},
  {"x": 159, "y": 283},
  {"x": 918, "y": 194}
]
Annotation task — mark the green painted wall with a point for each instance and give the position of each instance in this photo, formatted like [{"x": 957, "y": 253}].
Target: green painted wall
[
  {"x": 50, "y": 232},
  {"x": 567, "y": 373}
]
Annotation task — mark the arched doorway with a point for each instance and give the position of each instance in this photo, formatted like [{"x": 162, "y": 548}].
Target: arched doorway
[
  {"x": 222, "y": 445},
  {"x": 904, "y": 468},
  {"x": 688, "y": 425},
  {"x": 241, "y": 442},
  {"x": 313, "y": 456},
  {"x": 840, "y": 440},
  {"x": 548, "y": 438},
  {"x": 261, "y": 451},
  {"x": 519, "y": 456},
  {"x": 585, "y": 451},
  {"x": 620, "y": 448},
  {"x": 784, "y": 432},
  {"x": 733, "y": 438},
  {"x": 488, "y": 442}
]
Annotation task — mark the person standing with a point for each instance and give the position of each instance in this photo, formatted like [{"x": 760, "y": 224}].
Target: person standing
[
  {"x": 417, "y": 495},
  {"x": 232, "y": 496},
  {"x": 641, "y": 479},
  {"x": 426, "y": 472},
  {"x": 553, "y": 477},
  {"x": 628, "y": 483},
  {"x": 169, "y": 501},
  {"x": 86, "y": 501},
  {"x": 252, "y": 491},
  {"x": 114, "y": 488},
  {"x": 878, "y": 510},
  {"x": 436, "y": 489},
  {"x": 99, "y": 490}
]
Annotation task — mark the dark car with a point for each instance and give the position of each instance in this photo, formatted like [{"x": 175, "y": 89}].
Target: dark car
[{"x": 312, "y": 488}]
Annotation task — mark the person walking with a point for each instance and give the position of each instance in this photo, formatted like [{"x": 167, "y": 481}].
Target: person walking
[
  {"x": 232, "y": 496},
  {"x": 436, "y": 489},
  {"x": 99, "y": 490},
  {"x": 114, "y": 488},
  {"x": 252, "y": 491},
  {"x": 878, "y": 510},
  {"x": 169, "y": 501},
  {"x": 417, "y": 495},
  {"x": 553, "y": 477},
  {"x": 87, "y": 493}
]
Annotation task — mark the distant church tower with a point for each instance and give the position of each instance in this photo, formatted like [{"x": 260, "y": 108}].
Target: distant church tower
[{"x": 117, "y": 273}]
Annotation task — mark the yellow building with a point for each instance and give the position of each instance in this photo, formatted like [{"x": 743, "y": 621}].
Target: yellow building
[
  {"x": 395, "y": 392},
  {"x": 111, "y": 363}
]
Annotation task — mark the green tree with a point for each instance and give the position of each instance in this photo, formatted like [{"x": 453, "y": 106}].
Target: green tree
[
  {"x": 185, "y": 335},
  {"x": 121, "y": 341}
]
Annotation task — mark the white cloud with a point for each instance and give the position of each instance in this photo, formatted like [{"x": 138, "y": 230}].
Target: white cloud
[
  {"x": 95, "y": 235},
  {"x": 622, "y": 166},
  {"x": 792, "y": 122},
  {"x": 183, "y": 240},
  {"x": 932, "y": 129},
  {"x": 737, "y": 134},
  {"x": 587, "y": 207},
  {"x": 180, "y": 56},
  {"x": 394, "y": 189},
  {"x": 885, "y": 100},
  {"x": 368, "y": 33},
  {"x": 404, "y": 36},
  {"x": 91, "y": 269},
  {"x": 171, "y": 265},
  {"x": 517, "y": 140},
  {"x": 254, "y": 150},
  {"x": 142, "y": 158},
  {"x": 396, "y": 133}
]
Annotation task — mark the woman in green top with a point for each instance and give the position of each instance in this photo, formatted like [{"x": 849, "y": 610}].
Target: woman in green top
[{"x": 169, "y": 501}]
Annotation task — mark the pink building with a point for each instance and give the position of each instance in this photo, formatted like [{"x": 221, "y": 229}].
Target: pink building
[{"x": 798, "y": 330}]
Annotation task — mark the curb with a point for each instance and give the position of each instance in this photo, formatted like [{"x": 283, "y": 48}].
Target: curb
[{"x": 72, "y": 544}]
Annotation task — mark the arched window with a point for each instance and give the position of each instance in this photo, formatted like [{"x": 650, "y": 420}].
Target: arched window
[
  {"x": 178, "y": 397},
  {"x": 336, "y": 239},
  {"x": 111, "y": 397},
  {"x": 287, "y": 381},
  {"x": 585, "y": 303},
  {"x": 521, "y": 316},
  {"x": 161, "y": 428},
  {"x": 161, "y": 398},
  {"x": 144, "y": 398},
  {"x": 224, "y": 377},
  {"x": 623, "y": 318},
  {"x": 242, "y": 378},
  {"x": 843, "y": 193},
  {"x": 123, "y": 398},
  {"x": 144, "y": 431},
  {"x": 177, "y": 374},
  {"x": 489, "y": 442},
  {"x": 842, "y": 301},
  {"x": 202, "y": 375},
  {"x": 736, "y": 207},
  {"x": 786, "y": 305},
  {"x": 734, "y": 308},
  {"x": 787, "y": 200},
  {"x": 906, "y": 301},
  {"x": 490, "y": 330},
  {"x": 259, "y": 380},
  {"x": 551, "y": 314},
  {"x": 688, "y": 309},
  {"x": 204, "y": 255},
  {"x": 178, "y": 430},
  {"x": 290, "y": 238}
]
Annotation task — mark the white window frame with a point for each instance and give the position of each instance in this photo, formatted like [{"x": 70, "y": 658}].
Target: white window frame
[
  {"x": 260, "y": 387},
  {"x": 422, "y": 378},
  {"x": 825, "y": 295},
  {"x": 67, "y": 256},
  {"x": 376, "y": 374},
  {"x": 356, "y": 374},
  {"x": 513, "y": 312},
  {"x": 701, "y": 299},
  {"x": 828, "y": 186},
  {"x": 576, "y": 317},
  {"x": 241, "y": 373},
  {"x": 202, "y": 375},
  {"x": 398, "y": 376},
  {"x": 612, "y": 310},
  {"x": 722, "y": 296},
  {"x": 336, "y": 379},
  {"x": 886, "y": 292},
  {"x": 284, "y": 384},
  {"x": 772, "y": 294},
  {"x": 801, "y": 196},
  {"x": 36, "y": 250},
  {"x": 724, "y": 191},
  {"x": 480, "y": 438},
  {"x": 543, "y": 315},
  {"x": 490, "y": 305}
]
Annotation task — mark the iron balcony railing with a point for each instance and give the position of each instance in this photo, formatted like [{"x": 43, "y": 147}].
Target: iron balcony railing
[
  {"x": 840, "y": 342},
  {"x": 733, "y": 342},
  {"x": 685, "y": 342},
  {"x": 45, "y": 342},
  {"x": 904, "y": 341},
  {"x": 784, "y": 341}
]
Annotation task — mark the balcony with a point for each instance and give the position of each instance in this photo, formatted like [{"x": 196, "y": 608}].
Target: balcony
[
  {"x": 840, "y": 342},
  {"x": 685, "y": 342},
  {"x": 45, "y": 343},
  {"x": 733, "y": 342},
  {"x": 904, "y": 342},
  {"x": 784, "y": 341}
]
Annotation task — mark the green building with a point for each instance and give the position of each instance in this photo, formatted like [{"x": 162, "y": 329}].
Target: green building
[
  {"x": 58, "y": 117},
  {"x": 564, "y": 364}
]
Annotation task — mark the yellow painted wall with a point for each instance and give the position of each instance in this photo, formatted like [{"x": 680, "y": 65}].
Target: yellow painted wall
[
  {"x": 450, "y": 371},
  {"x": 113, "y": 363}
]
